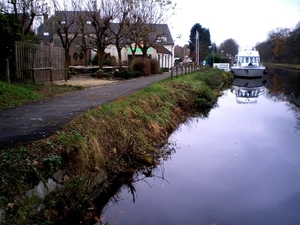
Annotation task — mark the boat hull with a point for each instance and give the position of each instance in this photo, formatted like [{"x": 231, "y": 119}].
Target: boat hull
[{"x": 248, "y": 71}]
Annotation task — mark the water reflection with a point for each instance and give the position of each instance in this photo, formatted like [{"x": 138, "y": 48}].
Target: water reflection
[
  {"x": 247, "y": 90},
  {"x": 278, "y": 85},
  {"x": 284, "y": 85},
  {"x": 127, "y": 181},
  {"x": 228, "y": 168}
]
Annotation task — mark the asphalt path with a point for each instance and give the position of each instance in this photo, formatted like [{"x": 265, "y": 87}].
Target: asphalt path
[{"x": 40, "y": 119}]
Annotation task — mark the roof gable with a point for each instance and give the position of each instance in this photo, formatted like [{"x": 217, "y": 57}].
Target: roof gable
[{"x": 158, "y": 33}]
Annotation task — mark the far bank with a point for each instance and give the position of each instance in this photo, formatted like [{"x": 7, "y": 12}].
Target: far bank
[{"x": 282, "y": 65}]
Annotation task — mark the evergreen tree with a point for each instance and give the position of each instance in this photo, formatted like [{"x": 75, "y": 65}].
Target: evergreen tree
[{"x": 204, "y": 42}]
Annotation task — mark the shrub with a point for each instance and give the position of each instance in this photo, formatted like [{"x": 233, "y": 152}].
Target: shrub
[
  {"x": 154, "y": 66},
  {"x": 142, "y": 65}
]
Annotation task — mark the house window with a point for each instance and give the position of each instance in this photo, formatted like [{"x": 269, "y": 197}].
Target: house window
[
  {"x": 162, "y": 39},
  {"x": 88, "y": 22},
  {"x": 46, "y": 33},
  {"x": 63, "y": 22}
]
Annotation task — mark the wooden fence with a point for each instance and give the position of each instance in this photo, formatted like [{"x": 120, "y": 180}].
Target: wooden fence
[{"x": 39, "y": 62}]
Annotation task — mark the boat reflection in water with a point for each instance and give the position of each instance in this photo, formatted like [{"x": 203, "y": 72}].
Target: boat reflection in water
[{"x": 247, "y": 90}]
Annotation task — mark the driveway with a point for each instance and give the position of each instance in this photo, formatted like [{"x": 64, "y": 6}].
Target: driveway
[{"x": 40, "y": 119}]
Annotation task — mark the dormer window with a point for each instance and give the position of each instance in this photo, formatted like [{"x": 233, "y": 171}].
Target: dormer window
[
  {"x": 46, "y": 34},
  {"x": 162, "y": 39}
]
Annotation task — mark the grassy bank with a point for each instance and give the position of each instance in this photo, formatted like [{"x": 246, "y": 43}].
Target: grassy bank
[
  {"x": 90, "y": 151},
  {"x": 16, "y": 94},
  {"x": 282, "y": 65}
]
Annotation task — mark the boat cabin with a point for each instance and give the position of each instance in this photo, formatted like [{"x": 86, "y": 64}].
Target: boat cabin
[
  {"x": 245, "y": 61},
  {"x": 248, "y": 57}
]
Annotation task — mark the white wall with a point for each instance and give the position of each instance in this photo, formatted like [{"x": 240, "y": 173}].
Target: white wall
[{"x": 165, "y": 60}]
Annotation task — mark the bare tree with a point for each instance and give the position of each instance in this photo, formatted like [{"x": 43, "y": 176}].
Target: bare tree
[
  {"x": 145, "y": 16},
  {"x": 84, "y": 40},
  {"x": 278, "y": 38},
  {"x": 179, "y": 52},
  {"x": 25, "y": 12},
  {"x": 66, "y": 25},
  {"x": 229, "y": 47},
  {"x": 102, "y": 13},
  {"x": 120, "y": 28}
]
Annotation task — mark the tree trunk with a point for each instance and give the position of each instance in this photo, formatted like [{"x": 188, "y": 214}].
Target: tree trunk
[
  {"x": 120, "y": 59},
  {"x": 144, "y": 51},
  {"x": 100, "y": 58},
  {"x": 67, "y": 61}
]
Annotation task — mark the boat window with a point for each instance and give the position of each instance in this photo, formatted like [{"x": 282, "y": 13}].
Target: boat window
[{"x": 247, "y": 59}]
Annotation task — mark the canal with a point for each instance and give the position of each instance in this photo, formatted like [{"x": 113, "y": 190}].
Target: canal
[{"x": 238, "y": 165}]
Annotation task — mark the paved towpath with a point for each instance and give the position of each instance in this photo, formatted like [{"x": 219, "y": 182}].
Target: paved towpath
[{"x": 40, "y": 119}]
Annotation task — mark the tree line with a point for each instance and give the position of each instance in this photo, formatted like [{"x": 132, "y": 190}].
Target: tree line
[
  {"x": 208, "y": 50},
  {"x": 123, "y": 23},
  {"x": 281, "y": 46}
]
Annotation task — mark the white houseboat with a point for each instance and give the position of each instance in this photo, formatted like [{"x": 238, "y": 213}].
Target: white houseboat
[{"x": 248, "y": 63}]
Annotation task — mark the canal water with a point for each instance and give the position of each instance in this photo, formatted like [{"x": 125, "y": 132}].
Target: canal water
[{"x": 238, "y": 165}]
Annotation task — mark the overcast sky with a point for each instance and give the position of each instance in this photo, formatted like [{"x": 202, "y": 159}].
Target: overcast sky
[{"x": 247, "y": 22}]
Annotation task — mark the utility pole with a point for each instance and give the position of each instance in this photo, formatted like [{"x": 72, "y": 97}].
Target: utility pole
[{"x": 197, "y": 48}]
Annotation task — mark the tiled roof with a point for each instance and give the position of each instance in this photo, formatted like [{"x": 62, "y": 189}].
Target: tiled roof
[
  {"x": 162, "y": 34},
  {"x": 161, "y": 49}
]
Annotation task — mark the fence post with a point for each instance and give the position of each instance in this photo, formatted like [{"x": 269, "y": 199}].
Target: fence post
[
  {"x": 32, "y": 72},
  {"x": 176, "y": 71},
  {"x": 172, "y": 72},
  {"x": 51, "y": 75},
  {"x": 7, "y": 74}
]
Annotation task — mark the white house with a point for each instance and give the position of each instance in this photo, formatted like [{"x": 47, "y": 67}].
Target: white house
[{"x": 162, "y": 48}]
